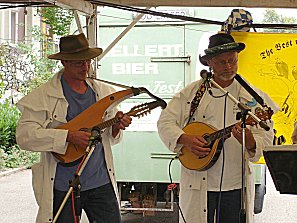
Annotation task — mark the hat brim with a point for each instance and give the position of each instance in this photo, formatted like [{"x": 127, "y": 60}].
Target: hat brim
[
  {"x": 206, "y": 57},
  {"x": 87, "y": 54}
]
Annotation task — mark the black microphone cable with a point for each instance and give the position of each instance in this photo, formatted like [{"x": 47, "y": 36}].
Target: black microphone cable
[
  {"x": 206, "y": 75},
  {"x": 170, "y": 186},
  {"x": 223, "y": 159}
]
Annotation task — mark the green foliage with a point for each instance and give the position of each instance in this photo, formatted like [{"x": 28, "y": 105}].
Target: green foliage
[
  {"x": 58, "y": 19},
  {"x": 9, "y": 115},
  {"x": 14, "y": 157},
  {"x": 2, "y": 86},
  {"x": 272, "y": 17},
  {"x": 43, "y": 68},
  {"x": 11, "y": 155},
  {"x": 2, "y": 52}
]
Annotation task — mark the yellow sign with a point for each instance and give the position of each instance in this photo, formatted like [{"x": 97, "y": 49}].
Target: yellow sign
[{"x": 269, "y": 62}]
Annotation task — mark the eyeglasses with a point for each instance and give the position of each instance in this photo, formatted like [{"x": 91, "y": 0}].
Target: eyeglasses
[
  {"x": 79, "y": 63},
  {"x": 223, "y": 63}
]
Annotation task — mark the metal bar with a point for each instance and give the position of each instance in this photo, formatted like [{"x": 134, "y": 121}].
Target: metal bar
[
  {"x": 146, "y": 209},
  {"x": 206, "y": 3},
  {"x": 171, "y": 59},
  {"x": 163, "y": 155},
  {"x": 92, "y": 36},
  {"x": 78, "y": 22},
  {"x": 150, "y": 209},
  {"x": 133, "y": 23}
]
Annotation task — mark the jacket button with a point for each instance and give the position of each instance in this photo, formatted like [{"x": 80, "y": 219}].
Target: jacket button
[
  {"x": 109, "y": 169},
  {"x": 204, "y": 210},
  {"x": 55, "y": 116},
  {"x": 203, "y": 178},
  {"x": 52, "y": 178},
  {"x": 203, "y": 116},
  {"x": 190, "y": 185},
  {"x": 188, "y": 102}
]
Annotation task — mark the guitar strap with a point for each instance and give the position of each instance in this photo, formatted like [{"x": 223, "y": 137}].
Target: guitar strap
[
  {"x": 196, "y": 100},
  {"x": 200, "y": 92}
]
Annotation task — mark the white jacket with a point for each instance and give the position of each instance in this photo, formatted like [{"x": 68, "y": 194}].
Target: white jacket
[
  {"x": 193, "y": 184},
  {"x": 42, "y": 111}
]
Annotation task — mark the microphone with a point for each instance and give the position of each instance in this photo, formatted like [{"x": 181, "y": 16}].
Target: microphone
[
  {"x": 95, "y": 136},
  {"x": 264, "y": 125},
  {"x": 206, "y": 76}
]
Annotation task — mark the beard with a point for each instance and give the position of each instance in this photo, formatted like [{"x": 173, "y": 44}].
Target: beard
[{"x": 226, "y": 76}]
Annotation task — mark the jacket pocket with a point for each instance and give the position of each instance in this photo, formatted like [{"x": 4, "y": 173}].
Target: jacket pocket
[{"x": 37, "y": 181}]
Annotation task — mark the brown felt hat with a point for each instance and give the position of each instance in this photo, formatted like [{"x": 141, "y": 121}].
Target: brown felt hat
[
  {"x": 218, "y": 44},
  {"x": 75, "y": 47}
]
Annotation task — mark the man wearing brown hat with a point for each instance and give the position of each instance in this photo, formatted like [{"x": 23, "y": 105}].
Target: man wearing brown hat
[
  {"x": 55, "y": 103},
  {"x": 213, "y": 193}
]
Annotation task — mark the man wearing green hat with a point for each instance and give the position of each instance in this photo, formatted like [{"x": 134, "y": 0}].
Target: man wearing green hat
[
  {"x": 55, "y": 103},
  {"x": 213, "y": 193}
]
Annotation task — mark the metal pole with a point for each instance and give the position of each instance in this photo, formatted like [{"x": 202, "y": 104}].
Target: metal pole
[{"x": 90, "y": 150}]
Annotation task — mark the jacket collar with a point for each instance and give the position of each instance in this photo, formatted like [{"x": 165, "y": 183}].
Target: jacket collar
[{"x": 55, "y": 87}]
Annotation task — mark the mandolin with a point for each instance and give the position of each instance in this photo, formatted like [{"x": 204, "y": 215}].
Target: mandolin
[
  {"x": 74, "y": 152},
  {"x": 214, "y": 138}
]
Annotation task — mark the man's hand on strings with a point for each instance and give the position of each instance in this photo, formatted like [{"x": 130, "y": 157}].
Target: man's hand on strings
[
  {"x": 124, "y": 122},
  {"x": 250, "y": 142},
  {"x": 195, "y": 144}
]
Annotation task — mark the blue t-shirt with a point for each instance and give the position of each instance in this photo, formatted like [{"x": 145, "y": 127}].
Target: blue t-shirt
[{"x": 95, "y": 173}]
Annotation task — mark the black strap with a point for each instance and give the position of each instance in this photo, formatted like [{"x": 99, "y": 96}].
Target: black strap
[{"x": 250, "y": 90}]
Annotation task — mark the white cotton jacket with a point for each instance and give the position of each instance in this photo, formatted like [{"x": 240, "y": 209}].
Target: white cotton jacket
[
  {"x": 193, "y": 183},
  {"x": 43, "y": 110}
]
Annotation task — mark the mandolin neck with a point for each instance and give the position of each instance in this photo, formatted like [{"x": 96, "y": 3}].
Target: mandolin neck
[
  {"x": 108, "y": 123},
  {"x": 112, "y": 121},
  {"x": 136, "y": 111},
  {"x": 220, "y": 133}
]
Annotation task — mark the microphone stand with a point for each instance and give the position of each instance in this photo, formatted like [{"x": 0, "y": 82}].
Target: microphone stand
[
  {"x": 242, "y": 214},
  {"x": 244, "y": 112},
  {"x": 75, "y": 183}
]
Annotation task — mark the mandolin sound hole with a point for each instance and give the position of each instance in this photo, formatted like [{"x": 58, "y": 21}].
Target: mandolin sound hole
[{"x": 208, "y": 139}]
